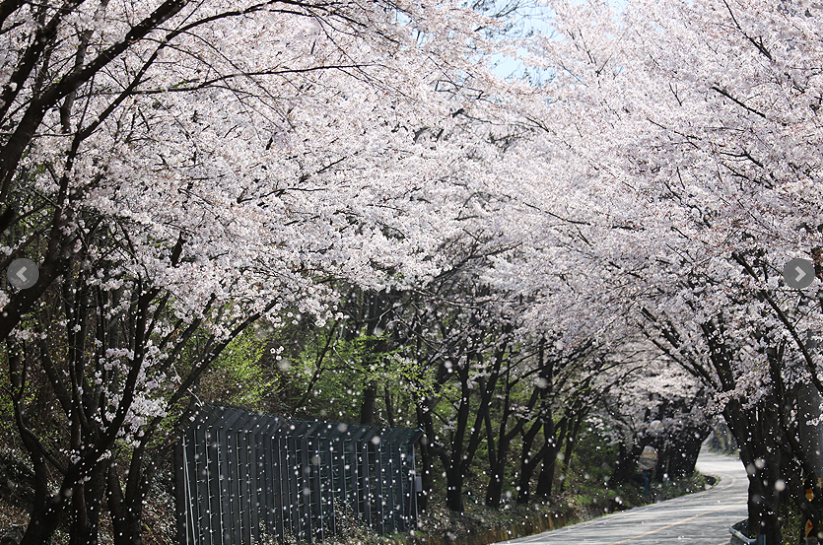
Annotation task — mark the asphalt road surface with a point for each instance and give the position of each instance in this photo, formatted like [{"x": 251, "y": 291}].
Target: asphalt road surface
[{"x": 698, "y": 519}]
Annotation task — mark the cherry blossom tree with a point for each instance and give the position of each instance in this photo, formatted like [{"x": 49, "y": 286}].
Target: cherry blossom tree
[
  {"x": 660, "y": 405},
  {"x": 692, "y": 130},
  {"x": 181, "y": 170},
  {"x": 460, "y": 336}
]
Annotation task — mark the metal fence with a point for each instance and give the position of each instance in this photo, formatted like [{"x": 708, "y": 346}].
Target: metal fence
[{"x": 241, "y": 475}]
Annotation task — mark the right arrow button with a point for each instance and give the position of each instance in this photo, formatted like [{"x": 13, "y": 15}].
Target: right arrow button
[{"x": 798, "y": 273}]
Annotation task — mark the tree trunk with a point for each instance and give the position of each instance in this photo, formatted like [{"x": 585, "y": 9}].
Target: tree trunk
[
  {"x": 389, "y": 406},
  {"x": 571, "y": 440},
  {"x": 682, "y": 460},
  {"x": 117, "y": 510},
  {"x": 758, "y": 435},
  {"x": 454, "y": 490},
  {"x": 47, "y": 509},
  {"x": 625, "y": 465},
  {"x": 45, "y": 518},
  {"x": 500, "y": 452},
  {"x": 497, "y": 469},
  {"x": 547, "y": 455},
  {"x": 369, "y": 403},
  {"x": 545, "y": 481},
  {"x": 126, "y": 513},
  {"x": 463, "y": 450},
  {"x": 84, "y": 508},
  {"x": 424, "y": 420},
  {"x": 529, "y": 463},
  {"x": 494, "y": 490},
  {"x": 460, "y": 453}
]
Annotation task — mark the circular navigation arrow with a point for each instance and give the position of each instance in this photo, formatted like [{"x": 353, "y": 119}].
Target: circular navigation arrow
[
  {"x": 23, "y": 273},
  {"x": 798, "y": 273}
]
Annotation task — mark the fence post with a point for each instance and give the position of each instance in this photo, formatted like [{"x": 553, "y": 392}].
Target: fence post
[{"x": 180, "y": 493}]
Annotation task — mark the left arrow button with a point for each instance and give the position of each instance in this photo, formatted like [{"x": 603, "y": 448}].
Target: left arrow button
[{"x": 23, "y": 273}]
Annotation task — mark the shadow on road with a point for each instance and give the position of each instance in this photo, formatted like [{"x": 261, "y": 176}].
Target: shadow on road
[{"x": 703, "y": 518}]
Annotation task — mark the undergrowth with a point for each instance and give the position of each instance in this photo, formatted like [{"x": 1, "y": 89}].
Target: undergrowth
[{"x": 579, "y": 494}]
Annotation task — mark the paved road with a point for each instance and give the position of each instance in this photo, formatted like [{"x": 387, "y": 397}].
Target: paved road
[{"x": 698, "y": 519}]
